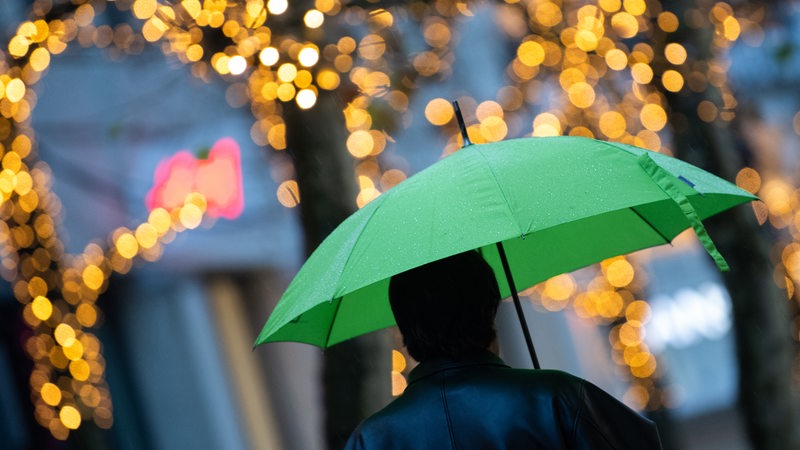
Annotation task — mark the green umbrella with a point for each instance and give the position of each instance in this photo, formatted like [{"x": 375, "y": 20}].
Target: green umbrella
[{"x": 543, "y": 205}]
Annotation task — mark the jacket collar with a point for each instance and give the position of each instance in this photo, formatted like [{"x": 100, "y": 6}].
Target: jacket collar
[{"x": 439, "y": 364}]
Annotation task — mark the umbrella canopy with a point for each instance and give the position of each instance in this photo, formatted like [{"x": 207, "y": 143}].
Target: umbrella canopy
[{"x": 555, "y": 203}]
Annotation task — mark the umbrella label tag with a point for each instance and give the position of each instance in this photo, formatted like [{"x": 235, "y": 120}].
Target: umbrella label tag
[
  {"x": 691, "y": 185},
  {"x": 665, "y": 181}
]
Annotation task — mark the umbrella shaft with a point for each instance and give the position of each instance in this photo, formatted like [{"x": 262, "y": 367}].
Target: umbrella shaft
[
  {"x": 517, "y": 305},
  {"x": 461, "y": 124}
]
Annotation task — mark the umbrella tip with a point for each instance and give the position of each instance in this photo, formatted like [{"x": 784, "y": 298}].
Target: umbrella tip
[{"x": 461, "y": 124}]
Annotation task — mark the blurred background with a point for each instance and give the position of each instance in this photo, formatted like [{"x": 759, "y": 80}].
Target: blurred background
[{"x": 167, "y": 166}]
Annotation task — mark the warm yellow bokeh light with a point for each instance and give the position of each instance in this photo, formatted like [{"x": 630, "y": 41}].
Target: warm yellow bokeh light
[
  {"x": 314, "y": 18},
  {"x": 634, "y": 7},
  {"x": 493, "y": 129},
  {"x": 637, "y": 397},
  {"x": 39, "y": 59},
  {"x": 86, "y": 314},
  {"x": 270, "y": 90},
  {"x": 287, "y": 72},
  {"x": 610, "y": 5},
  {"x": 74, "y": 351},
  {"x": 326, "y": 5},
  {"x": 127, "y": 245},
  {"x": 749, "y": 179},
  {"x": 346, "y": 45},
  {"x": 616, "y": 59},
  {"x": 612, "y": 124},
  {"x": 42, "y": 308},
  {"x": 630, "y": 335},
  {"x": 18, "y": 46},
  {"x": 343, "y": 63},
  {"x": 220, "y": 63},
  {"x": 194, "y": 52},
  {"x": 306, "y": 98},
  {"x": 437, "y": 33},
  {"x": 667, "y": 21},
  {"x": 581, "y": 94},
  {"x": 269, "y": 56},
  {"x": 638, "y": 310},
  {"x": 64, "y": 334},
  {"x": 439, "y": 111},
  {"x": 399, "y": 383},
  {"x": 79, "y": 369},
  {"x": 648, "y": 139},
  {"x": 653, "y": 117},
  {"x": 277, "y": 7},
  {"x": 392, "y": 178},
  {"x": 160, "y": 219},
  {"x": 561, "y": 287},
  {"x": 286, "y": 92},
  {"x": 581, "y": 131},
  {"x": 190, "y": 216},
  {"x": 731, "y": 28},
  {"x": 70, "y": 417},
  {"x": 531, "y": 53},
  {"x": 372, "y": 47},
  {"x": 288, "y": 194},
  {"x": 675, "y": 53},
  {"x": 619, "y": 273},
  {"x": 37, "y": 286},
  {"x": 548, "y": 13},
  {"x": 328, "y": 79},
  {"x": 546, "y": 124},
  {"x": 146, "y": 235},
  {"x": 398, "y": 361},
  {"x": 303, "y": 79},
  {"x": 367, "y": 195},
  {"x": 15, "y": 90},
  {"x": 360, "y": 143},
  {"x": 707, "y": 111},
  {"x": 23, "y": 183},
  {"x": 488, "y": 109},
  {"x": 12, "y": 162},
  {"x": 277, "y": 136},
  {"x": 237, "y": 65},
  {"x": 625, "y": 25},
  {"x": 144, "y": 9},
  {"x": 672, "y": 80},
  {"x": 586, "y": 40},
  {"x": 308, "y": 56},
  {"x": 642, "y": 73},
  {"x": 645, "y": 368},
  {"x": 197, "y": 199},
  {"x": 93, "y": 277},
  {"x": 51, "y": 394}
]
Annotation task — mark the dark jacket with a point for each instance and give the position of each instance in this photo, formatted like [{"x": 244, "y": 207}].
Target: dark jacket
[{"x": 481, "y": 403}]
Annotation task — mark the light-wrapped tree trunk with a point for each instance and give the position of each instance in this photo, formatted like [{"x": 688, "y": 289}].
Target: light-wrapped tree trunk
[
  {"x": 761, "y": 312},
  {"x": 356, "y": 372}
]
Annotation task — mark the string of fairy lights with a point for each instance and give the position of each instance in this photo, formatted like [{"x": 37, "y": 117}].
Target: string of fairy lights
[{"x": 589, "y": 68}]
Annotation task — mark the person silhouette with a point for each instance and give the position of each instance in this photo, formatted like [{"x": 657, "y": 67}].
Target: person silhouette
[{"x": 462, "y": 396}]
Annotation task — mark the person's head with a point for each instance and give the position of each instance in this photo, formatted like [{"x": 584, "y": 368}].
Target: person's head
[{"x": 447, "y": 307}]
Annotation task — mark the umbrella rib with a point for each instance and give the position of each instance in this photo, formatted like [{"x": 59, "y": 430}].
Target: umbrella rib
[
  {"x": 666, "y": 239},
  {"x": 333, "y": 320},
  {"x": 499, "y": 186},
  {"x": 344, "y": 266},
  {"x": 358, "y": 238}
]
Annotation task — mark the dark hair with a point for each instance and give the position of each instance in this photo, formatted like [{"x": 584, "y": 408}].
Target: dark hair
[{"x": 447, "y": 307}]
